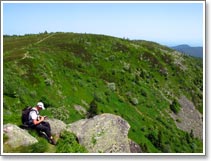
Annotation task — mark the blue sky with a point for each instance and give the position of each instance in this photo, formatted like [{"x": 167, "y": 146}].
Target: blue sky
[{"x": 165, "y": 23}]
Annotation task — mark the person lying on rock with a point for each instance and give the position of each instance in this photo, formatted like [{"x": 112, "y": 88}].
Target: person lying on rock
[{"x": 37, "y": 122}]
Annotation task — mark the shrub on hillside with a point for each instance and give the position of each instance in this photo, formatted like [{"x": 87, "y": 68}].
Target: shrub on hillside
[
  {"x": 40, "y": 147},
  {"x": 92, "y": 109},
  {"x": 126, "y": 66},
  {"x": 134, "y": 101},
  {"x": 112, "y": 86},
  {"x": 175, "y": 107},
  {"x": 143, "y": 92},
  {"x": 60, "y": 113},
  {"x": 47, "y": 101},
  {"x": 144, "y": 148},
  {"x": 68, "y": 144}
]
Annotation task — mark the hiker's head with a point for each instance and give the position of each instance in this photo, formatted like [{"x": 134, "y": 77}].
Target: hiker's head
[{"x": 40, "y": 105}]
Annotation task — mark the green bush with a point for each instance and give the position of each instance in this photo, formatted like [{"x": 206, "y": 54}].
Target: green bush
[
  {"x": 40, "y": 147},
  {"x": 134, "y": 101},
  {"x": 68, "y": 144},
  {"x": 60, "y": 113},
  {"x": 175, "y": 106},
  {"x": 144, "y": 148},
  {"x": 92, "y": 110}
]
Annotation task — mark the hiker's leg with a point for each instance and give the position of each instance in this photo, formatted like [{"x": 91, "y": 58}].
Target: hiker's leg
[
  {"x": 46, "y": 129},
  {"x": 46, "y": 124}
]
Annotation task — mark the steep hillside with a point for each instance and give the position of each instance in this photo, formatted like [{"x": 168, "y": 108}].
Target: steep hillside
[
  {"x": 141, "y": 81},
  {"x": 188, "y": 50}
]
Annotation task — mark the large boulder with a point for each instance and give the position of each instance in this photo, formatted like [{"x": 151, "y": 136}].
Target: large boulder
[
  {"x": 57, "y": 126},
  {"x": 105, "y": 133},
  {"x": 190, "y": 119},
  {"x": 17, "y": 137}
]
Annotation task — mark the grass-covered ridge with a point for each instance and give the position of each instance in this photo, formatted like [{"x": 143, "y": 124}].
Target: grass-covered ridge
[{"x": 137, "y": 80}]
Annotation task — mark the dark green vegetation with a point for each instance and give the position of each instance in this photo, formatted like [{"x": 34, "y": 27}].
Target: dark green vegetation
[
  {"x": 137, "y": 80},
  {"x": 175, "y": 107},
  {"x": 68, "y": 144},
  {"x": 92, "y": 111}
]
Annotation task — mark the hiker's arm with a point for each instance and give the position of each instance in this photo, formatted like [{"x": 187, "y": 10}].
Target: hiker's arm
[{"x": 35, "y": 122}]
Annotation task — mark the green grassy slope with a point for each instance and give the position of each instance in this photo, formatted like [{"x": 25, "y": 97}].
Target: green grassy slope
[{"x": 134, "y": 79}]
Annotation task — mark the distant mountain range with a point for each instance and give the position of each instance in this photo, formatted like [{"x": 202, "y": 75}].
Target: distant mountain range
[{"x": 188, "y": 50}]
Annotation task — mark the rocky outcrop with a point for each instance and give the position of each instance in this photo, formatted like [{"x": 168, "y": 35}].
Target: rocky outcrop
[
  {"x": 105, "y": 133},
  {"x": 189, "y": 119},
  {"x": 17, "y": 136}
]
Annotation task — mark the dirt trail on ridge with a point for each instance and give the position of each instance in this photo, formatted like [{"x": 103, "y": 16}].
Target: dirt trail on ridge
[
  {"x": 38, "y": 42},
  {"x": 26, "y": 54}
]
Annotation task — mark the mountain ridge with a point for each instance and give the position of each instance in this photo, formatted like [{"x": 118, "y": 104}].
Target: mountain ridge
[
  {"x": 137, "y": 80},
  {"x": 189, "y": 50}
]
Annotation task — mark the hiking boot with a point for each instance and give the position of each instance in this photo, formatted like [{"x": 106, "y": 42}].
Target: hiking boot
[
  {"x": 52, "y": 141},
  {"x": 42, "y": 133}
]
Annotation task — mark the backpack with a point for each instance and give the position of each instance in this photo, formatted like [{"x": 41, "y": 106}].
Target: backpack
[{"x": 25, "y": 115}]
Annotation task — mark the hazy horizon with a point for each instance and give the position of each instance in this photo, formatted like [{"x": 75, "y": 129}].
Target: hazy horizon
[
  {"x": 166, "y": 44},
  {"x": 166, "y": 23}
]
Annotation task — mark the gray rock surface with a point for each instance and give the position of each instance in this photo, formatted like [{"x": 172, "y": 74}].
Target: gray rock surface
[
  {"x": 57, "y": 126},
  {"x": 134, "y": 147},
  {"x": 105, "y": 133},
  {"x": 17, "y": 137},
  {"x": 189, "y": 118}
]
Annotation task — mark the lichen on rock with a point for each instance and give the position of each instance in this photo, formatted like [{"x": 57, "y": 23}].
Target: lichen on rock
[
  {"x": 17, "y": 137},
  {"x": 105, "y": 133}
]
